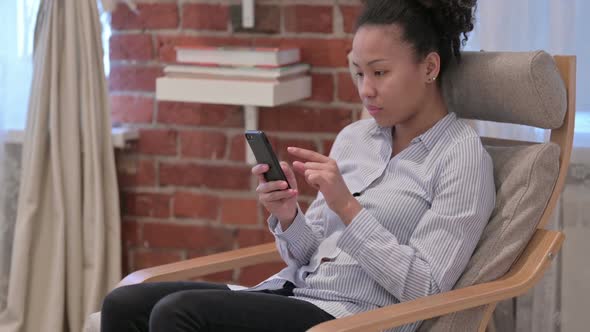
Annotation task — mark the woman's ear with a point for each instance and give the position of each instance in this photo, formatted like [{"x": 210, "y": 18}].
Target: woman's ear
[{"x": 431, "y": 67}]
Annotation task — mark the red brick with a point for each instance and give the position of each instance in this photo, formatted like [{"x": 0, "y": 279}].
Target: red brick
[
  {"x": 195, "y": 114},
  {"x": 203, "y": 16},
  {"x": 203, "y": 144},
  {"x": 131, "y": 109},
  {"x": 166, "y": 44},
  {"x": 157, "y": 141},
  {"x": 268, "y": 19},
  {"x": 196, "y": 205},
  {"x": 304, "y": 188},
  {"x": 126, "y": 267},
  {"x": 327, "y": 146},
  {"x": 130, "y": 233},
  {"x": 134, "y": 78},
  {"x": 236, "y": 211},
  {"x": 300, "y": 119},
  {"x": 237, "y": 148},
  {"x": 280, "y": 146},
  {"x": 146, "y": 205},
  {"x": 211, "y": 176},
  {"x": 253, "y": 237},
  {"x": 144, "y": 259},
  {"x": 349, "y": 17},
  {"x": 347, "y": 91},
  {"x": 160, "y": 235},
  {"x": 252, "y": 275},
  {"x": 131, "y": 47},
  {"x": 135, "y": 173},
  {"x": 317, "y": 52},
  {"x": 322, "y": 87},
  {"x": 305, "y": 18},
  {"x": 148, "y": 16}
]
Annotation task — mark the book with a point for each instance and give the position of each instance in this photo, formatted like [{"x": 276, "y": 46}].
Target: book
[
  {"x": 233, "y": 78},
  {"x": 238, "y": 56},
  {"x": 233, "y": 92},
  {"x": 245, "y": 71}
]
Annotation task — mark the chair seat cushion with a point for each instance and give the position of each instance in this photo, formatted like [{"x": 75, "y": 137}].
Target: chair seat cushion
[{"x": 525, "y": 177}]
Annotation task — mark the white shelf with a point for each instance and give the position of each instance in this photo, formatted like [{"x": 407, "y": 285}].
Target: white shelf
[
  {"x": 233, "y": 92},
  {"x": 248, "y": 93},
  {"x": 120, "y": 136}
]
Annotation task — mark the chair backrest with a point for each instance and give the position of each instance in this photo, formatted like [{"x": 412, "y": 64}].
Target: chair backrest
[{"x": 528, "y": 88}]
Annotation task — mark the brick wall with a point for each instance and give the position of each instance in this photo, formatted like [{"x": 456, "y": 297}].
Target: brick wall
[{"x": 186, "y": 190}]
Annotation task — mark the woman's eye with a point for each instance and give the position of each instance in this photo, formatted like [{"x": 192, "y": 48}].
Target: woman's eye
[
  {"x": 380, "y": 73},
  {"x": 359, "y": 75}
]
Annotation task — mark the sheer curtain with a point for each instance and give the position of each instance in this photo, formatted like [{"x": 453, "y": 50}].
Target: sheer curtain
[
  {"x": 16, "y": 37},
  {"x": 556, "y": 26}
]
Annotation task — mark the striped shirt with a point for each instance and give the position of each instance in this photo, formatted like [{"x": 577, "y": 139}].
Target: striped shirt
[{"x": 424, "y": 211}]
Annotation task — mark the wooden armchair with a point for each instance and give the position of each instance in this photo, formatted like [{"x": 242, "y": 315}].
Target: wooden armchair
[{"x": 513, "y": 253}]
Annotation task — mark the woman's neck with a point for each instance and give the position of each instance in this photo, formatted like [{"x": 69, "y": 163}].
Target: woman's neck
[{"x": 425, "y": 118}]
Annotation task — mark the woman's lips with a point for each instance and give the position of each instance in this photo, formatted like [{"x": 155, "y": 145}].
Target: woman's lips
[{"x": 373, "y": 109}]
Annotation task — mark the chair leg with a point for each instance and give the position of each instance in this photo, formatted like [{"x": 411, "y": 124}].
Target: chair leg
[{"x": 486, "y": 324}]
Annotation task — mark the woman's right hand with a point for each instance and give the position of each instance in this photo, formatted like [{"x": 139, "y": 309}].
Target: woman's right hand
[{"x": 276, "y": 198}]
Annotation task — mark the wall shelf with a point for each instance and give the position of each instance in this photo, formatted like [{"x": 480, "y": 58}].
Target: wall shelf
[
  {"x": 248, "y": 93},
  {"x": 121, "y": 136},
  {"x": 233, "y": 92}
]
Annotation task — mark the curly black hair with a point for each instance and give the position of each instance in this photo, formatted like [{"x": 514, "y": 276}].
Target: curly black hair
[{"x": 428, "y": 25}]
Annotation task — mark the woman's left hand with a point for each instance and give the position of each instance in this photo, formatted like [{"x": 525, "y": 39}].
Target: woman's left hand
[{"x": 322, "y": 173}]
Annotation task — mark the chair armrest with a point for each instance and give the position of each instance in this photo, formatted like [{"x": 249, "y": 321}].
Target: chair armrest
[
  {"x": 520, "y": 278},
  {"x": 202, "y": 266}
]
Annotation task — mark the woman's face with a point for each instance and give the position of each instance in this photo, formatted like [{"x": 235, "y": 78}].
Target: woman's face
[{"x": 390, "y": 82}]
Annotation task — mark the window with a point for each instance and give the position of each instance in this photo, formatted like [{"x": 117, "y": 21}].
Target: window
[{"x": 17, "y": 28}]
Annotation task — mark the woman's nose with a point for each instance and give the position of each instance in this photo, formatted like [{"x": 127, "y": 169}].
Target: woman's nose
[{"x": 366, "y": 88}]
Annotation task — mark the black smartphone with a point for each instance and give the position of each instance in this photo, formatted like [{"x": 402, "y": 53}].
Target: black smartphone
[{"x": 264, "y": 154}]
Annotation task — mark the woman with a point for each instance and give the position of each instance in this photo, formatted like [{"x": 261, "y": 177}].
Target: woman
[{"x": 403, "y": 197}]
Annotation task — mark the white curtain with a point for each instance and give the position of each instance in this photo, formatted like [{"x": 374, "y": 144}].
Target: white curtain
[
  {"x": 66, "y": 249},
  {"x": 556, "y": 26}
]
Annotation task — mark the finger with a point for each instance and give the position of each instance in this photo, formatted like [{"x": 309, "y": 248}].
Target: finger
[
  {"x": 260, "y": 169},
  {"x": 299, "y": 167},
  {"x": 278, "y": 195},
  {"x": 308, "y": 154},
  {"x": 315, "y": 166},
  {"x": 313, "y": 177},
  {"x": 289, "y": 174},
  {"x": 271, "y": 186}
]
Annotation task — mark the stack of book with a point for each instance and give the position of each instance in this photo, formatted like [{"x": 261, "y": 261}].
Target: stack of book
[{"x": 236, "y": 75}]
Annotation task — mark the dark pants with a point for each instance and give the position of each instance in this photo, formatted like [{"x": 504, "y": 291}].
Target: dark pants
[{"x": 199, "y": 306}]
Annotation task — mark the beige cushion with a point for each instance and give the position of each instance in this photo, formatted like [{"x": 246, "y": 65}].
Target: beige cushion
[
  {"x": 524, "y": 177},
  {"x": 513, "y": 87}
]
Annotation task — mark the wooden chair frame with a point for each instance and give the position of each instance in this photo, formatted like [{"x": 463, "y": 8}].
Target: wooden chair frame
[{"x": 522, "y": 276}]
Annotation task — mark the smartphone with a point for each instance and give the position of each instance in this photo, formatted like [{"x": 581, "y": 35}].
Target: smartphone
[{"x": 264, "y": 154}]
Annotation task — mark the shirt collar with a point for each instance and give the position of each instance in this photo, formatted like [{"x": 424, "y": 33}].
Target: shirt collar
[{"x": 432, "y": 135}]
